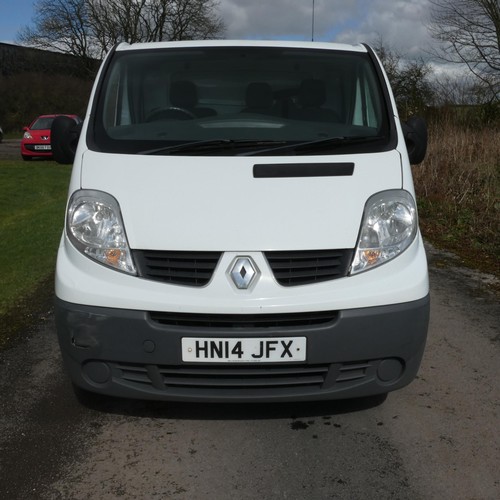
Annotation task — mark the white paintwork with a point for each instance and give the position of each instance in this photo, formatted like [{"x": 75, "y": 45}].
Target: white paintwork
[
  {"x": 210, "y": 203},
  {"x": 243, "y": 43},
  {"x": 82, "y": 281}
]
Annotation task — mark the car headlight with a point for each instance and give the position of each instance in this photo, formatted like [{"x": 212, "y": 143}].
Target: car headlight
[
  {"x": 388, "y": 228},
  {"x": 94, "y": 225},
  {"x": 27, "y": 135}
]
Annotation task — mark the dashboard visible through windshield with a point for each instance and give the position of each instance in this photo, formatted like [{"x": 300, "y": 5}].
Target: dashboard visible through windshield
[{"x": 240, "y": 100}]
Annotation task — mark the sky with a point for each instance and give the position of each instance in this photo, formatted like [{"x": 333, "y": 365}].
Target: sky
[{"x": 399, "y": 23}]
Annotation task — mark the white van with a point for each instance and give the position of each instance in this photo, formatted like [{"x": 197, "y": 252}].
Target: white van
[{"x": 241, "y": 226}]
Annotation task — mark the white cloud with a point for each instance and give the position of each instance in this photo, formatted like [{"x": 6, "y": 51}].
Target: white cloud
[
  {"x": 400, "y": 23},
  {"x": 266, "y": 19}
]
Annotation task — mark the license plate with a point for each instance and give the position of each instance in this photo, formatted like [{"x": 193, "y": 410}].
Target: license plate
[
  {"x": 246, "y": 350},
  {"x": 43, "y": 147}
]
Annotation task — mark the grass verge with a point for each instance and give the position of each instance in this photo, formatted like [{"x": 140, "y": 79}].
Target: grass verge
[{"x": 32, "y": 201}]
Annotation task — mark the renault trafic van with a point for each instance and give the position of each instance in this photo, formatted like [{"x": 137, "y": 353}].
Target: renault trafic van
[{"x": 241, "y": 226}]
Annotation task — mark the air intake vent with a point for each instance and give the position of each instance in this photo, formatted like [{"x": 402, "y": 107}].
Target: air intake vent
[
  {"x": 177, "y": 268},
  {"x": 245, "y": 382},
  {"x": 240, "y": 380},
  {"x": 292, "y": 268},
  {"x": 244, "y": 320}
]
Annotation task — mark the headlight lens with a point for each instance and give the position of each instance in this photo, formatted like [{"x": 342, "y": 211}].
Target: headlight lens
[
  {"x": 27, "y": 135},
  {"x": 389, "y": 226},
  {"x": 94, "y": 225}
]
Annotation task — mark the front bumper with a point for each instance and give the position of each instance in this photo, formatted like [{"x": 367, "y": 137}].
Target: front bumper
[{"x": 356, "y": 353}]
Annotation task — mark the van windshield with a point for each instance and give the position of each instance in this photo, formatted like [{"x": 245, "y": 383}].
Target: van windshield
[{"x": 239, "y": 100}]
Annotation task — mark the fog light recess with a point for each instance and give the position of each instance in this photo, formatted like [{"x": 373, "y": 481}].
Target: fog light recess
[
  {"x": 389, "y": 370},
  {"x": 97, "y": 372}
]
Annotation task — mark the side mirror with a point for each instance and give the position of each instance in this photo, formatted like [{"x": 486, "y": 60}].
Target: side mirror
[
  {"x": 64, "y": 135},
  {"x": 415, "y": 134}
]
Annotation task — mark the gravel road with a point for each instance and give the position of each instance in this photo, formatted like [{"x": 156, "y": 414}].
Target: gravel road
[
  {"x": 437, "y": 438},
  {"x": 10, "y": 149}
]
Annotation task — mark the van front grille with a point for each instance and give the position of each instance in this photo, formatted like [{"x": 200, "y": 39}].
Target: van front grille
[
  {"x": 177, "y": 268},
  {"x": 310, "y": 266},
  {"x": 290, "y": 268}
]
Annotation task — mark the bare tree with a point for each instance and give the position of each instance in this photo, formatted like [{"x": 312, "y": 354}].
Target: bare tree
[
  {"x": 409, "y": 79},
  {"x": 189, "y": 21},
  {"x": 470, "y": 34},
  {"x": 89, "y": 28},
  {"x": 153, "y": 20},
  {"x": 458, "y": 90},
  {"x": 62, "y": 26}
]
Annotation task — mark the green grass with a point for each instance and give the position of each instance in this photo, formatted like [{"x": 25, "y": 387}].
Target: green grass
[{"x": 32, "y": 202}]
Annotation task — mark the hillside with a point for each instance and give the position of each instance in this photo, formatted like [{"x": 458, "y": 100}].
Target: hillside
[
  {"x": 15, "y": 59},
  {"x": 34, "y": 82}
]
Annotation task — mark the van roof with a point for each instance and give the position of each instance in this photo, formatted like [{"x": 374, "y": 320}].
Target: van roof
[{"x": 242, "y": 43}]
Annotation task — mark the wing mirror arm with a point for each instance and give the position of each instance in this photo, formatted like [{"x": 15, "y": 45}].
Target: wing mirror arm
[
  {"x": 64, "y": 136},
  {"x": 415, "y": 135}
]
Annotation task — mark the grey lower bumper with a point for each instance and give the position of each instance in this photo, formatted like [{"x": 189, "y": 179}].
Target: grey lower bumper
[{"x": 359, "y": 353}]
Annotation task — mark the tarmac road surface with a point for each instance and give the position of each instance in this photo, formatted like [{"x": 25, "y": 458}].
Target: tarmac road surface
[
  {"x": 10, "y": 149},
  {"x": 435, "y": 439}
]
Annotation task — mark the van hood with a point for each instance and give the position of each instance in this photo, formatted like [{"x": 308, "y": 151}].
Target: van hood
[{"x": 216, "y": 204}]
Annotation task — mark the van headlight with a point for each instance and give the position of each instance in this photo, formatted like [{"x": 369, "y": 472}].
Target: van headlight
[
  {"x": 388, "y": 228},
  {"x": 94, "y": 225}
]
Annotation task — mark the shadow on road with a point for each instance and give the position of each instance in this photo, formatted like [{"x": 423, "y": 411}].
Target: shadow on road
[{"x": 223, "y": 411}]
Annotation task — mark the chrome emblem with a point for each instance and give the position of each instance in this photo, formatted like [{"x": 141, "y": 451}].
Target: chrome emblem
[{"x": 243, "y": 272}]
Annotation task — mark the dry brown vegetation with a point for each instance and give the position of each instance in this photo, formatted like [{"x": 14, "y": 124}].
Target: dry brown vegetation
[{"x": 458, "y": 187}]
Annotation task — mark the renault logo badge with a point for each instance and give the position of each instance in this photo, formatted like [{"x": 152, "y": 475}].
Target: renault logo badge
[{"x": 243, "y": 272}]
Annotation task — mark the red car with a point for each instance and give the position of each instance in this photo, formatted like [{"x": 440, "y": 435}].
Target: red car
[{"x": 36, "y": 139}]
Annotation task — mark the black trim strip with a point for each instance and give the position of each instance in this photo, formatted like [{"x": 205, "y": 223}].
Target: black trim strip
[
  {"x": 241, "y": 321},
  {"x": 280, "y": 170},
  {"x": 391, "y": 113},
  {"x": 98, "y": 96}
]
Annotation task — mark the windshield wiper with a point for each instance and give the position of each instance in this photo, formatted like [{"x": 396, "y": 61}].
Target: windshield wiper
[
  {"x": 317, "y": 145},
  {"x": 214, "y": 145},
  {"x": 270, "y": 147}
]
